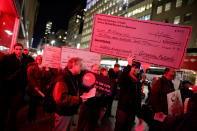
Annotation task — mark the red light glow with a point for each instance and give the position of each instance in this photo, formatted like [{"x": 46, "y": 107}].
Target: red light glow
[{"x": 9, "y": 22}]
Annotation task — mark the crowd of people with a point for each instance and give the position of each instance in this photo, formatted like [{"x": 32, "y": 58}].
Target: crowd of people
[{"x": 21, "y": 75}]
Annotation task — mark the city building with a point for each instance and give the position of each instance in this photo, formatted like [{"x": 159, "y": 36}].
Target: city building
[
  {"x": 110, "y": 7},
  {"x": 139, "y": 9},
  {"x": 61, "y": 38},
  {"x": 48, "y": 32},
  {"x": 75, "y": 26}
]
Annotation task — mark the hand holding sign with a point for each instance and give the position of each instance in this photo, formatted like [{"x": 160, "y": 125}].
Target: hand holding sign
[{"x": 89, "y": 94}]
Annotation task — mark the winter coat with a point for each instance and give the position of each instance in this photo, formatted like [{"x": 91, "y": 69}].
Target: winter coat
[
  {"x": 13, "y": 74},
  {"x": 130, "y": 92},
  {"x": 66, "y": 94},
  {"x": 159, "y": 92}
]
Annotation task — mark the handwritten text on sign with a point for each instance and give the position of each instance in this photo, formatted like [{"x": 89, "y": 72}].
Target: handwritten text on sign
[
  {"x": 51, "y": 57},
  {"x": 88, "y": 58},
  {"x": 150, "y": 42}
]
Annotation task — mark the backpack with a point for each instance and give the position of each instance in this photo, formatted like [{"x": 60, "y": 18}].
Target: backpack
[{"x": 49, "y": 103}]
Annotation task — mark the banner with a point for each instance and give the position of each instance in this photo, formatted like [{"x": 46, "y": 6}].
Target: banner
[
  {"x": 157, "y": 43},
  {"x": 51, "y": 57},
  {"x": 88, "y": 58},
  {"x": 102, "y": 84}
]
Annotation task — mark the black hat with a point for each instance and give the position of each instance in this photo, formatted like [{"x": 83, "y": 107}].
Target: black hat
[{"x": 136, "y": 64}]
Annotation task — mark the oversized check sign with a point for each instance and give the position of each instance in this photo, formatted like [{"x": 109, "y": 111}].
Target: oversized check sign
[{"x": 151, "y": 42}]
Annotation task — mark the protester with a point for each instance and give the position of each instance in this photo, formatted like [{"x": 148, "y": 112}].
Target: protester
[
  {"x": 128, "y": 100},
  {"x": 66, "y": 95},
  {"x": 158, "y": 99},
  {"x": 91, "y": 108},
  {"x": 26, "y": 53},
  {"x": 38, "y": 77},
  {"x": 13, "y": 80},
  {"x": 104, "y": 72},
  {"x": 186, "y": 122},
  {"x": 114, "y": 75},
  {"x": 185, "y": 91}
]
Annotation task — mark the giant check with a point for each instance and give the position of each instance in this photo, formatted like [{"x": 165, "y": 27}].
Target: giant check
[{"x": 151, "y": 42}]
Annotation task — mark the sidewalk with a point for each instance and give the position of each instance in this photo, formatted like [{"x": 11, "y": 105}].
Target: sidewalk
[{"x": 45, "y": 121}]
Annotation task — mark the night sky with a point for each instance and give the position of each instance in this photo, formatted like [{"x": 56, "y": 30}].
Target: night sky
[{"x": 57, "y": 11}]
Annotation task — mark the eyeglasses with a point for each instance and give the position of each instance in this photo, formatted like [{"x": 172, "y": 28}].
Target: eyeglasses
[{"x": 25, "y": 49}]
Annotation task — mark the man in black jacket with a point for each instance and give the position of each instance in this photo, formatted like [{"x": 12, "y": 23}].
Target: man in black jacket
[
  {"x": 13, "y": 80},
  {"x": 66, "y": 95},
  {"x": 130, "y": 92},
  {"x": 113, "y": 74}
]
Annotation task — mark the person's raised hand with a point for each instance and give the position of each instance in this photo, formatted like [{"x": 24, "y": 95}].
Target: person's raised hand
[{"x": 130, "y": 59}]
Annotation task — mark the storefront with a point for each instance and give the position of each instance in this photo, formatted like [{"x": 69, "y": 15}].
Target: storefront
[
  {"x": 189, "y": 69},
  {"x": 9, "y": 24}
]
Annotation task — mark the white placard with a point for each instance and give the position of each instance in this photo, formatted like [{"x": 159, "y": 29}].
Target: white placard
[
  {"x": 51, "y": 57},
  {"x": 175, "y": 106},
  {"x": 88, "y": 58}
]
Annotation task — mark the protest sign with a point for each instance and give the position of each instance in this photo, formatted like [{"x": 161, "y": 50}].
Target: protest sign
[
  {"x": 88, "y": 58},
  {"x": 175, "y": 106},
  {"x": 51, "y": 57},
  {"x": 102, "y": 84},
  {"x": 56, "y": 57},
  {"x": 157, "y": 43}
]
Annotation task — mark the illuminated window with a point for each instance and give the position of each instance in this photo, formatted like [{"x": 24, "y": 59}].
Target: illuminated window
[
  {"x": 148, "y": 6},
  {"x": 177, "y": 20},
  {"x": 187, "y": 17},
  {"x": 168, "y": 6},
  {"x": 77, "y": 21},
  {"x": 178, "y": 3},
  {"x": 147, "y": 17},
  {"x": 129, "y": 14},
  {"x": 110, "y": 4},
  {"x": 142, "y": 8},
  {"x": 159, "y": 9}
]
